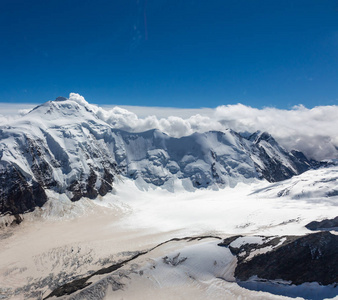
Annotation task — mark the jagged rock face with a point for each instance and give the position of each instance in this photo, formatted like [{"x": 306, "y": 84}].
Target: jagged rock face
[
  {"x": 272, "y": 163},
  {"x": 309, "y": 258},
  {"x": 63, "y": 146},
  {"x": 17, "y": 195}
]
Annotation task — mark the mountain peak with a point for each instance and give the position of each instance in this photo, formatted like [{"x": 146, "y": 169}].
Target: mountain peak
[
  {"x": 62, "y": 111},
  {"x": 259, "y": 136},
  {"x": 60, "y": 98}
]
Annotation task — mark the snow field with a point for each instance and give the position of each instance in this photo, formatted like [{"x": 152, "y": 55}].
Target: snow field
[{"x": 66, "y": 239}]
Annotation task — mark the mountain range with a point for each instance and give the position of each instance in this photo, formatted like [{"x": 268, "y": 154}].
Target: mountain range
[{"x": 63, "y": 146}]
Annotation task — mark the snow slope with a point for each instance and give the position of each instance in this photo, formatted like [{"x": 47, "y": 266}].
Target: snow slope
[{"x": 312, "y": 186}]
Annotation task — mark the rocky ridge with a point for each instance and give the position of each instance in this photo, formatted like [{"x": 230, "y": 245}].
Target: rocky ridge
[
  {"x": 327, "y": 224},
  {"x": 292, "y": 259}
]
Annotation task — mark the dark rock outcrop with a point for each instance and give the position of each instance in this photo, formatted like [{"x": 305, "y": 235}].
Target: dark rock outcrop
[
  {"x": 309, "y": 258},
  {"x": 17, "y": 194},
  {"x": 273, "y": 169},
  {"x": 327, "y": 224}
]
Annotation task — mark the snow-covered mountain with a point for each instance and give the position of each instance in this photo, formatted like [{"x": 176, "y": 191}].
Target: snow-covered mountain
[
  {"x": 312, "y": 186},
  {"x": 64, "y": 146}
]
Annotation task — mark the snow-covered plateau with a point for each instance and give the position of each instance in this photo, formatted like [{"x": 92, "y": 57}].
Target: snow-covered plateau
[{"x": 88, "y": 211}]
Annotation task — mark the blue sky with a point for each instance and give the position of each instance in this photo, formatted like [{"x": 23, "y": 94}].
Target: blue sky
[{"x": 190, "y": 53}]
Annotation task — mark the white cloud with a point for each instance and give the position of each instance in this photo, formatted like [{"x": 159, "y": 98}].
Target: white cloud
[
  {"x": 163, "y": 112},
  {"x": 312, "y": 131},
  {"x": 78, "y": 98}
]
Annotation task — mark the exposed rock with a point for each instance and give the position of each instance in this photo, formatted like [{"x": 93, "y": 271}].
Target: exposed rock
[
  {"x": 309, "y": 258},
  {"x": 175, "y": 261},
  {"x": 327, "y": 224},
  {"x": 17, "y": 220},
  {"x": 17, "y": 195},
  {"x": 226, "y": 242},
  {"x": 70, "y": 288},
  {"x": 273, "y": 168}
]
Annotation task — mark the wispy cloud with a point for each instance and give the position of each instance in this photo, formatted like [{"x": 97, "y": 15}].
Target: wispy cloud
[{"x": 10, "y": 111}]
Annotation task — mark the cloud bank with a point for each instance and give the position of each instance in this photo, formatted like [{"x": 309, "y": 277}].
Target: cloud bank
[
  {"x": 312, "y": 131},
  {"x": 11, "y": 111}
]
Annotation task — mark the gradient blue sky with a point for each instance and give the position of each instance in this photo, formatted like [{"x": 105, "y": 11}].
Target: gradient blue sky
[{"x": 190, "y": 53}]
